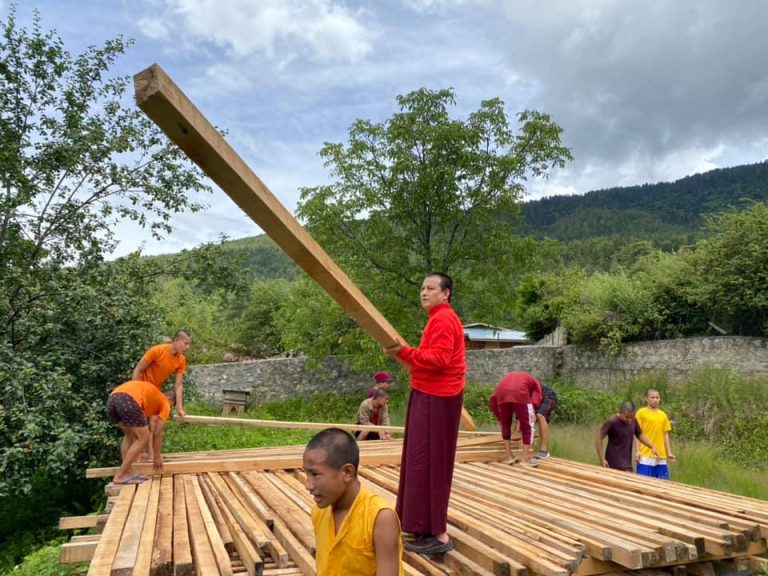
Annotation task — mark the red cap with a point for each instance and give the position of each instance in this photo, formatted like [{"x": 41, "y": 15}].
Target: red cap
[{"x": 382, "y": 377}]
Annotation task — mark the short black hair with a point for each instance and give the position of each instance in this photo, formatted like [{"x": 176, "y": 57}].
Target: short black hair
[
  {"x": 649, "y": 390},
  {"x": 446, "y": 282},
  {"x": 627, "y": 406},
  {"x": 340, "y": 447},
  {"x": 183, "y": 333},
  {"x": 379, "y": 393}
]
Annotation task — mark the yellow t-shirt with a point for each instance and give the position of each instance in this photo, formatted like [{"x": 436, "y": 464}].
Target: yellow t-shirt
[
  {"x": 653, "y": 423},
  {"x": 349, "y": 551}
]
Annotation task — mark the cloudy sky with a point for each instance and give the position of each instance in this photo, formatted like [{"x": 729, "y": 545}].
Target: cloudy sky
[{"x": 645, "y": 91}]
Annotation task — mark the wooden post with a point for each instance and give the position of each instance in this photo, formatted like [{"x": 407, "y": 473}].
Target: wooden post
[{"x": 182, "y": 122}]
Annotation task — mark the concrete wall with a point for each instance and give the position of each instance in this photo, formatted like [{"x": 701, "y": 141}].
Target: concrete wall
[{"x": 282, "y": 378}]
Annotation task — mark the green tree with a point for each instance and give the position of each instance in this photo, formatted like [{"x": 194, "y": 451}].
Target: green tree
[
  {"x": 260, "y": 332},
  {"x": 310, "y": 321},
  {"x": 423, "y": 192},
  {"x": 731, "y": 267},
  {"x": 73, "y": 161},
  {"x": 541, "y": 300}
]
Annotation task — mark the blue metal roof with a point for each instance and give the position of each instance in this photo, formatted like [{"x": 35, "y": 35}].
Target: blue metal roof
[{"x": 486, "y": 332}]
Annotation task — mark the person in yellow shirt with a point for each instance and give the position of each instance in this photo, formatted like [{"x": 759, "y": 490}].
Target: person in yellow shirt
[
  {"x": 655, "y": 425},
  {"x": 357, "y": 533}
]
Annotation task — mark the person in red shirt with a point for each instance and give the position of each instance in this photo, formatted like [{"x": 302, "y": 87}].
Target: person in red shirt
[
  {"x": 132, "y": 406},
  {"x": 517, "y": 394},
  {"x": 438, "y": 367}
]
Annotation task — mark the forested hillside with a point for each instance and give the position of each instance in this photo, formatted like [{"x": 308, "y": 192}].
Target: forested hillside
[
  {"x": 651, "y": 210},
  {"x": 598, "y": 229}
]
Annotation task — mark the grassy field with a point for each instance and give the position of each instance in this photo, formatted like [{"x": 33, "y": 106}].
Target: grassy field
[{"x": 698, "y": 463}]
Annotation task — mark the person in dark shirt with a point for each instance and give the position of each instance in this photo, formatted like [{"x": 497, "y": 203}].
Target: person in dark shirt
[
  {"x": 543, "y": 413},
  {"x": 620, "y": 429}
]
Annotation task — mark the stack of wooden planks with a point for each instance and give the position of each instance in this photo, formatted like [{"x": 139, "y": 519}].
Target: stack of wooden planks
[{"x": 252, "y": 515}]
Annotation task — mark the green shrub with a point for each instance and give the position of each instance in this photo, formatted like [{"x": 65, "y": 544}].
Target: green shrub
[
  {"x": 746, "y": 441},
  {"x": 476, "y": 403},
  {"x": 583, "y": 405},
  {"x": 45, "y": 562},
  {"x": 611, "y": 309}
]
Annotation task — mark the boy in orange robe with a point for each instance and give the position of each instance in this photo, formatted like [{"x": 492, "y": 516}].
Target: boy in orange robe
[{"x": 132, "y": 406}]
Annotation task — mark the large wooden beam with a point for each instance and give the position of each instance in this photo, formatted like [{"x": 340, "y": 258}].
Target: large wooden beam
[
  {"x": 159, "y": 97},
  {"x": 254, "y": 423},
  {"x": 282, "y": 463}
]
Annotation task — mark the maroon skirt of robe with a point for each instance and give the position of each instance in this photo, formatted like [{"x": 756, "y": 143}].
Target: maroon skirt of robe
[{"x": 426, "y": 467}]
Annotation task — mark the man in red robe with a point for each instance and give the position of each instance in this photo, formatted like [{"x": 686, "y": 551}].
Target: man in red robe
[{"x": 438, "y": 367}]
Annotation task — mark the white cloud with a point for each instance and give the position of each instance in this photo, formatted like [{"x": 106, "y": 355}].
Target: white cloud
[
  {"x": 279, "y": 31},
  {"x": 153, "y": 28},
  {"x": 640, "y": 168}
]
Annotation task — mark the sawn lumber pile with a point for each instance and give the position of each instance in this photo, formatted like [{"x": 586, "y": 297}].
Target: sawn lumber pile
[{"x": 247, "y": 511}]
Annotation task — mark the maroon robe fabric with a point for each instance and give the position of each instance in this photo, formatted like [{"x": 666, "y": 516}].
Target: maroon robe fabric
[{"x": 426, "y": 467}]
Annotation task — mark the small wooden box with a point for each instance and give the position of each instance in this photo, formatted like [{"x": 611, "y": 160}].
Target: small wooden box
[{"x": 234, "y": 402}]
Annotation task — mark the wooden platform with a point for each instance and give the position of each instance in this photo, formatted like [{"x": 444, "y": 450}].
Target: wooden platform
[{"x": 252, "y": 516}]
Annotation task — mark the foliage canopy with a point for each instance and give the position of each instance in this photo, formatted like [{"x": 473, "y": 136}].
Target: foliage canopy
[
  {"x": 422, "y": 192},
  {"x": 74, "y": 160}
]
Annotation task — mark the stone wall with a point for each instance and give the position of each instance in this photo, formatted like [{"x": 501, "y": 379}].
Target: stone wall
[
  {"x": 489, "y": 366},
  {"x": 676, "y": 358},
  {"x": 275, "y": 379},
  {"x": 282, "y": 378}
]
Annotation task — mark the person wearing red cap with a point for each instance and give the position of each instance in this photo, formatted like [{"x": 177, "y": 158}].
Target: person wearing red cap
[{"x": 383, "y": 380}]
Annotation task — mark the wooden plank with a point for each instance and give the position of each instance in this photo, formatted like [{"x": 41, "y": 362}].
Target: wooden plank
[
  {"x": 422, "y": 565},
  {"x": 182, "y": 550},
  {"x": 653, "y": 518},
  {"x": 460, "y": 564},
  {"x": 101, "y": 564},
  {"x": 75, "y": 522},
  {"x": 218, "y": 518},
  {"x": 505, "y": 543},
  {"x": 125, "y": 559},
  {"x": 254, "y": 527},
  {"x": 285, "y": 463},
  {"x": 159, "y": 97},
  {"x": 252, "y": 562},
  {"x": 739, "y": 564},
  {"x": 143, "y": 564},
  {"x": 85, "y": 538},
  {"x": 162, "y": 547},
  {"x": 488, "y": 436},
  {"x": 299, "y": 521},
  {"x": 701, "y": 569},
  {"x": 220, "y": 553},
  {"x": 477, "y": 551},
  {"x": 249, "y": 498},
  {"x": 299, "y": 554},
  {"x": 202, "y": 551},
  {"x": 74, "y": 552}
]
